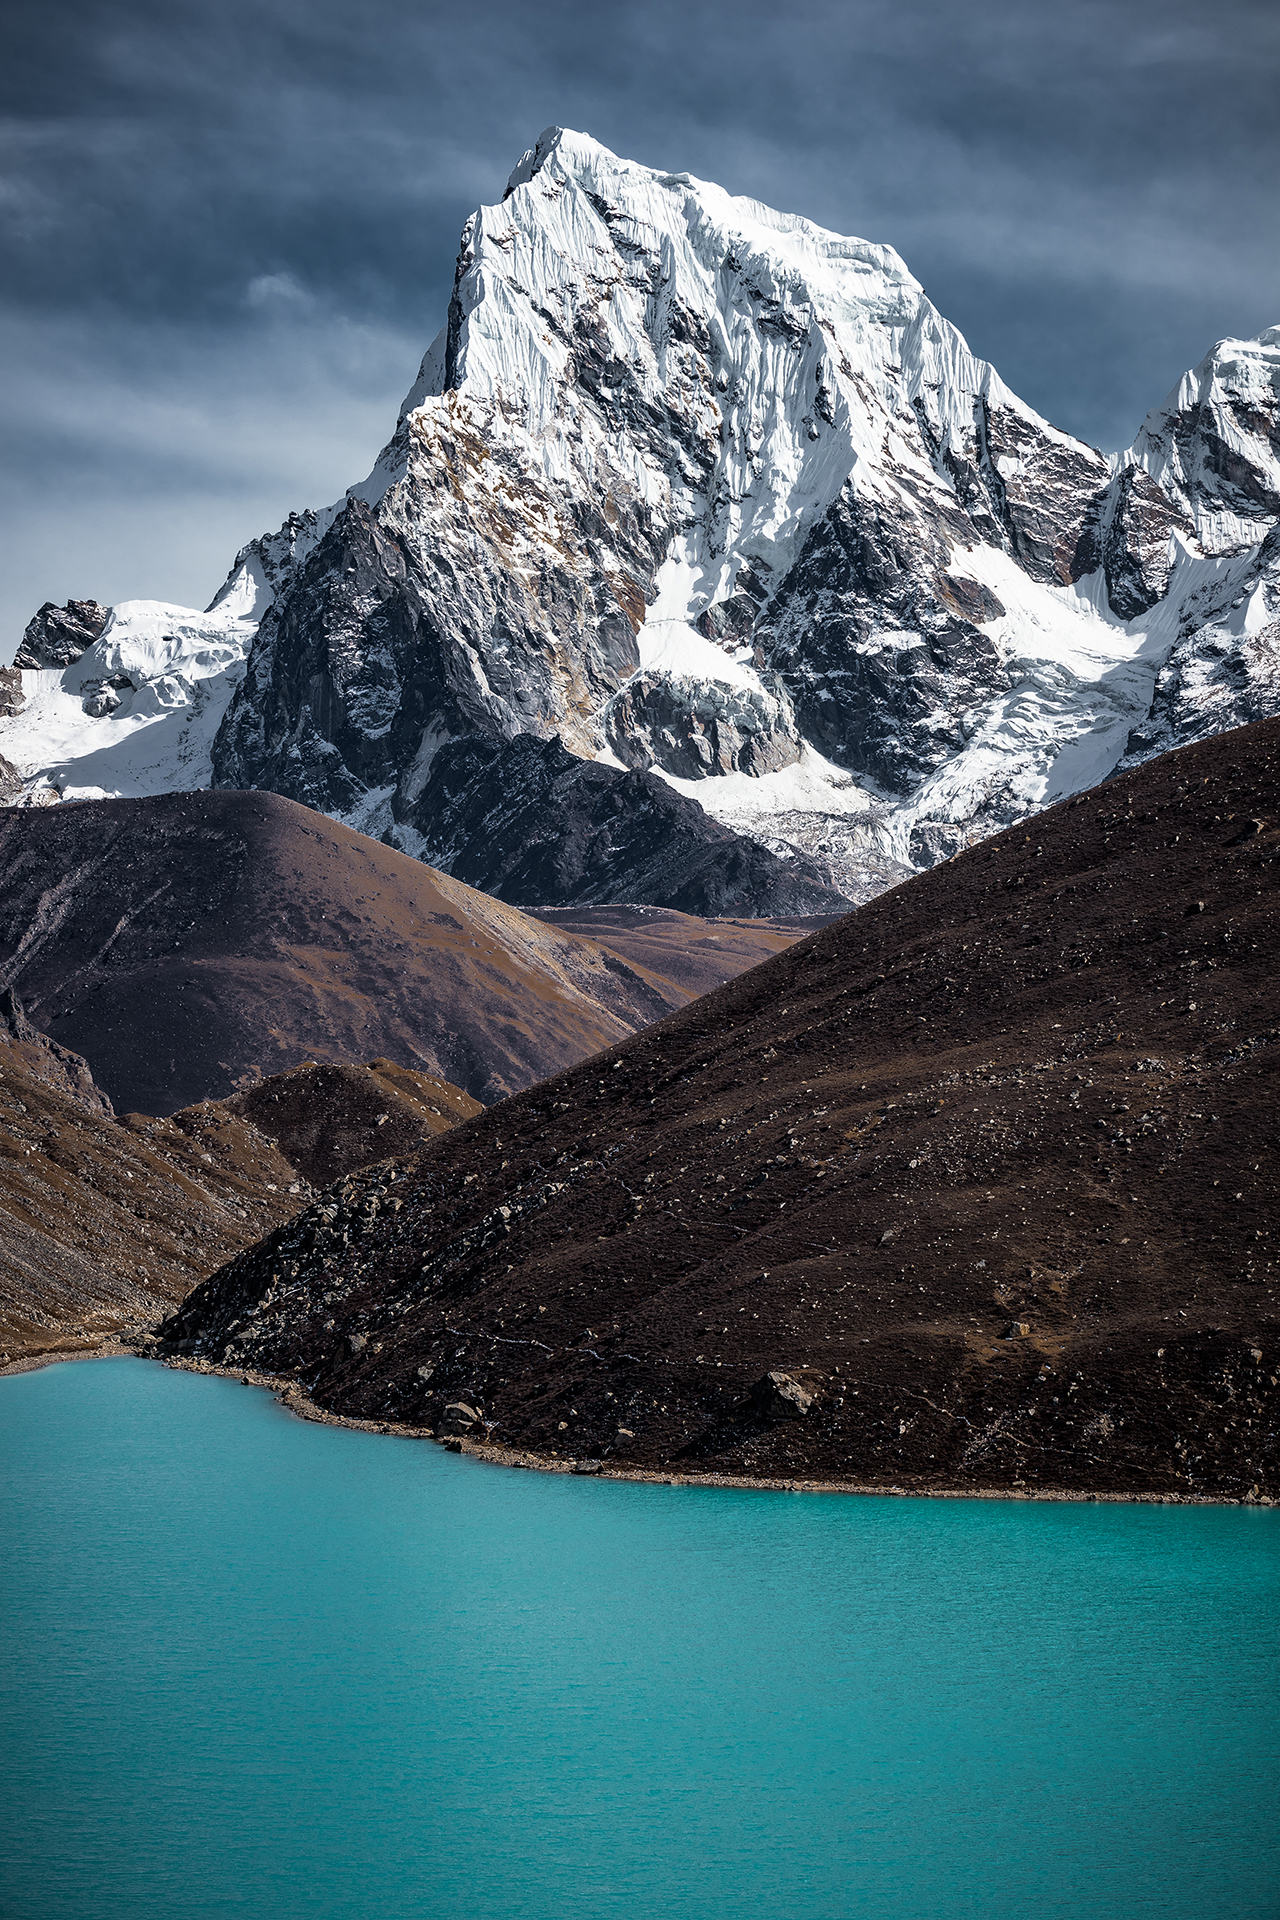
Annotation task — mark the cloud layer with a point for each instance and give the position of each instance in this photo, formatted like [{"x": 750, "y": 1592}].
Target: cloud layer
[{"x": 230, "y": 232}]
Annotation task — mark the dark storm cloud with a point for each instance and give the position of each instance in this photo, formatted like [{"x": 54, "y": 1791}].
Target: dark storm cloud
[{"x": 229, "y": 232}]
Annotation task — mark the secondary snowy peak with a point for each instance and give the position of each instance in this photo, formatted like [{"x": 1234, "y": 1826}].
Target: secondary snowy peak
[
  {"x": 1213, "y": 448},
  {"x": 135, "y": 713}
]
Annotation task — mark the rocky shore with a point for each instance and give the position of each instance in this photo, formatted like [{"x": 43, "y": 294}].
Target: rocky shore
[{"x": 295, "y": 1401}]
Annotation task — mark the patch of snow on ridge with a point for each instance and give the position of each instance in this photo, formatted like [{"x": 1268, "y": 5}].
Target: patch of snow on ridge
[
  {"x": 260, "y": 570},
  {"x": 810, "y": 785},
  {"x": 160, "y": 676},
  {"x": 669, "y": 643}
]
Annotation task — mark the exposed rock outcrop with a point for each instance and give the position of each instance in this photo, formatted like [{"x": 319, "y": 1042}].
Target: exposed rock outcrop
[
  {"x": 1223, "y": 669},
  {"x": 532, "y": 824},
  {"x": 408, "y": 624},
  {"x": 1213, "y": 448},
  {"x": 697, "y": 728},
  {"x": 777, "y": 1396},
  {"x": 12, "y": 699},
  {"x": 57, "y": 636},
  {"x": 1130, "y": 535},
  {"x": 879, "y": 642}
]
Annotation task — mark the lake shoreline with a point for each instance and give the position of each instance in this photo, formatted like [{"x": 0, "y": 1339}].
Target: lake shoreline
[{"x": 294, "y": 1400}]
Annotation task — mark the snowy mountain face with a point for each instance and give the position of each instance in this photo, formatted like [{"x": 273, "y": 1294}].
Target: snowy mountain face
[{"x": 713, "y": 495}]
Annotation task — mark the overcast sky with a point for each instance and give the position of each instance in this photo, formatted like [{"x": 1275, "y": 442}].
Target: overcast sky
[{"x": 229, "y": 230}]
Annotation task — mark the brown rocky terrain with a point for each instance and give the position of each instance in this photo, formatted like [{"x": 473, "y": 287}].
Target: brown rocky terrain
[
  {"x": 106, "y": 1222},
  {"x": 191, "y": 944},
  {"x": 973, "y": 1189},
  {"x": 328, "y": 1120}
]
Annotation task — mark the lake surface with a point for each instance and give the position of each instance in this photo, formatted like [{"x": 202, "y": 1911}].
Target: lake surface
[{"x": 255, "y": 1667}]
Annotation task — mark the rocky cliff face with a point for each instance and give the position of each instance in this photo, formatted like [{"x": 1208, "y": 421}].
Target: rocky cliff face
[
  {"x": 410, "y": 625},
  {"x": 1223, "y": 669},
  {"x": 45, "y": 1060},
  {"x": 704, "y": 491},
  {"x": 532, "y": 823},
  {"x": 58, "y": 635},
  {"x": 1213, "y": 448}
]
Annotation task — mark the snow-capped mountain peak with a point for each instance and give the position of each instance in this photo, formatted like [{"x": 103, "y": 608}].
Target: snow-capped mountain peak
[
  {"x": 712, "y": 493},
  {"x": 600, "y": 293}
]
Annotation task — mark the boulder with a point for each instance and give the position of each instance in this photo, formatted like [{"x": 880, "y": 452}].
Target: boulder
[
  {"x": 780, "y": 1397},
  {"x": 100, "y": 701},
  {"x": 458, "y": 1418}
]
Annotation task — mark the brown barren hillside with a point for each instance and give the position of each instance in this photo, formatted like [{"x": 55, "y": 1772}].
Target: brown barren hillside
[
  {"x": 976, "y": 1188},
  {"x": 191, "y": 944},
  {"x": 329, "y": 1119},
  {"x": 106, "y": 1222}
]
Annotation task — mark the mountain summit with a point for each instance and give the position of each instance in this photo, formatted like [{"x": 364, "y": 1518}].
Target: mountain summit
[{"x": 718, "y": 498}]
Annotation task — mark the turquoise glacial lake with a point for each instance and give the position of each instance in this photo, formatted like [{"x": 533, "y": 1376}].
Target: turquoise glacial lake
[{"x": 255, "y": 1667}]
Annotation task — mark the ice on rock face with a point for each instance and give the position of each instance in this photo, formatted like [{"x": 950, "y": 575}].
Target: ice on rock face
[
  {"x": 647, "y": 393},
  {"x": 703, "y": 489},
  {"x": 260, "y": 570},
  {"x": 1213, "y": 448}
]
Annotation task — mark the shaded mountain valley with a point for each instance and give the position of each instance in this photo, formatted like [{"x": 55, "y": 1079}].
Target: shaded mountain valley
[{"x": 974, "y": 1188}]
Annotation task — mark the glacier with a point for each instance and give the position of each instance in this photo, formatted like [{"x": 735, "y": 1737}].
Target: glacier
[{"x": 711, "y": 494}]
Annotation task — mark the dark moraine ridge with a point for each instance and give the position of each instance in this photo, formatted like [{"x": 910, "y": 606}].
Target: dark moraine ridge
[
  {"x": 987, "y": 1170},
  {"x": 534, "y": 824}
]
